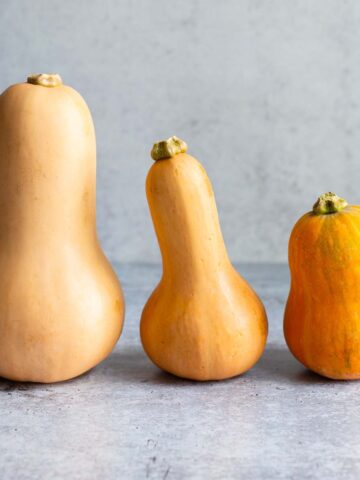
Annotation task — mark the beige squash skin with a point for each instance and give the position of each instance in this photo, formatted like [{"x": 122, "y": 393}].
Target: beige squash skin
[
  {"x": 203, "y": 321},
  {"x": 61, "y": 305}
]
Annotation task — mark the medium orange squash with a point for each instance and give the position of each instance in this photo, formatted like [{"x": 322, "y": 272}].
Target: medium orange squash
[
  {"x": 61, "y": 305},
  {"x": 203, "y": 321},
  {"x": 322, "y": 315}
]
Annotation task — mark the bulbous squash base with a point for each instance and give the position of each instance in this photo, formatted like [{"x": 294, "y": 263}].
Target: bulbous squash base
[{"x": 212, "y": 333}]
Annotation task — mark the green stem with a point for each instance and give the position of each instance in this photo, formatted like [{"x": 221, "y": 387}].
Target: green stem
[
  {"x": 168, "y": 148},
  {"x": 329, "y": 203},
  {"x": 45, "y": 79}
]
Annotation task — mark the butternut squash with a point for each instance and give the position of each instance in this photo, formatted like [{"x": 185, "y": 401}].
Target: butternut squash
[
  {"x": 61, "y": 305},
  {"x": 322, "y": 315},
  {"x": 203, "y": 321}
]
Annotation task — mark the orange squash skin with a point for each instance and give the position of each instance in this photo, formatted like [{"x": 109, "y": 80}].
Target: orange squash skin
[
  {"x": 322, "y": 315},
  {"x": 203, "y": 321},
  {"x": 61, "y": 305}
]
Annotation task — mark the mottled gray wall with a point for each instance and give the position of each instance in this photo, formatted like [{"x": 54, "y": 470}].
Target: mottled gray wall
[{"x": 266, "y": 93}]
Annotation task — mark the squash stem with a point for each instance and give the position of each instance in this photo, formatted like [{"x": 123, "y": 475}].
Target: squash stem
[
  {"x": 329, "y": 203},
  {"x": 168, "y": 148},
  {"x": 45, "y": 79}
]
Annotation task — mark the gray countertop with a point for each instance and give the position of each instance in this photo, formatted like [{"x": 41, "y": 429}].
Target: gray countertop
[{"x": 128, "y": 420}]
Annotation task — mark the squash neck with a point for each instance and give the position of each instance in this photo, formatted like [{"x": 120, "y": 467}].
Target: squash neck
[
  {"x": 186, "y": 221},
  {"x": 184, "y": 213},
  {"x": 195, "y": 266}
]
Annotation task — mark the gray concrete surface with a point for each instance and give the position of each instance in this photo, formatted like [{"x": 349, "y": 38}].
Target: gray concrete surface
[
  {"x": 127, "y": 420},
  {"x": 266, "y": 93}
]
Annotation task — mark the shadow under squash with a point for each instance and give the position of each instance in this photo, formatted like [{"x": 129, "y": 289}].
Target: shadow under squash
[
  {"x": 278, "y": 364},
  {"x": 12, "y": 386},
  {"x": 130, "y": 365},
  {"x": 127, "y": 364}
]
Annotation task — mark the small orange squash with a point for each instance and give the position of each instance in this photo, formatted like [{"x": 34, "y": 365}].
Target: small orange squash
[
  {"x": 322, "y": 315},
  {"x": 61, "y": 305},
  {"x": 203, "y": 321}
]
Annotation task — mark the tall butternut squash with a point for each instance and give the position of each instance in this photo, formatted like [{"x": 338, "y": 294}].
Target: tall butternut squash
[
  {"x": 203, "y": 321},
  {"x": 322, "y": 315},
  {"x": 61, "y": 305}
]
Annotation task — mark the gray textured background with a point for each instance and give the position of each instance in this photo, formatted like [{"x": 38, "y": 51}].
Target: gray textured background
[{"x": 266, "y": 93}]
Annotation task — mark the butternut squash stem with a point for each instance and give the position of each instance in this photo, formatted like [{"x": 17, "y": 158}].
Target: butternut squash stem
[
  {"x": 328, "y": 203},
  {"x": 168, "y": 148},
  {"x": 48, "y": 80}
]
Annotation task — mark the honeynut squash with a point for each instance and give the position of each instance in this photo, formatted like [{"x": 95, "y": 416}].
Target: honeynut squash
[
  {"x": 61, "y": 305},
  {"x": 203, "y": 321},
  {"x": 322, "y": 315}
]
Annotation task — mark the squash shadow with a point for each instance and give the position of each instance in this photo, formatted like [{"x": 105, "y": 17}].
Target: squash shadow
[
  {"x": 8, "y": 386},
  {"x": 29, "y": 388},
  {"x": 278, "y": 364},
  {"x": 125, "y": 365},
  {"x": 130, "y": 364}
]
